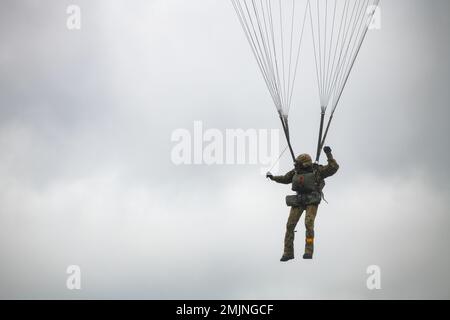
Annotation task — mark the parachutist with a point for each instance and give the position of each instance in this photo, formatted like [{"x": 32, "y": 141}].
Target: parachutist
[
  {"x": 334, "y": 56},
  {"x": 307, "y": 181}
]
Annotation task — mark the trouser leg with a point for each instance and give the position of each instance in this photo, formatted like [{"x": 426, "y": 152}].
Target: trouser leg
[
  {"x": 311, "y": 212},
  {"x": 293, "y": 219}
]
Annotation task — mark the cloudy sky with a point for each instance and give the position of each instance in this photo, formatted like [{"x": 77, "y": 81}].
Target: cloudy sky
[{"x": 87, "y": 178}]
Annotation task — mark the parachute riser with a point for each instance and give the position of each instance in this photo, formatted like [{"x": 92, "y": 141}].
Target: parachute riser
[
  {"x": 326, "y": 131},
  {"x": 319, "y": 141},
  {"x": 284, "y": 123}
]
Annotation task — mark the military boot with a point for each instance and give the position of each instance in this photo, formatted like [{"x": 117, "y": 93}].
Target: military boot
[
  {"x": 287, "y": 257},
  {"x": 309, "y": 248}
]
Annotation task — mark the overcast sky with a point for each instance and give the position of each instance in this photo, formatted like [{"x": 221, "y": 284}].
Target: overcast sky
[{"x": 86, "y": 176}]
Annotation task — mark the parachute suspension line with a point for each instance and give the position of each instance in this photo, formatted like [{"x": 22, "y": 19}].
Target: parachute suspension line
[
  {"x": 261, "y": 27},
  {"x": 319, "y": 141},
  {"x": 319, "y": 71},
  {"x": 290, "y": 51},
  {"x": 245, "y": 26},
  {"x": 341, "y": 62},
  {"x": 320, "y": 52},
  {"x": 273, "y": 89},
  {"x": 328, "y": 75},
  {"x": 315, "y": 53},
  {"x": 342, "y": 52},
  {"x": 325, "y": 45},
  {"x": 283, "y": 84},
  {"x": 267, "y": 49},
  {"x": 363, "y": 29},
  {"x": 298, "y": 56},
  {"x": 274, "y": 30},
  {"x": 358, "y": 49},
  {"x": 346, "y": 56},
  {"x": 278, "y": 159},
  {"x": 285, "y": 124},
  {"x": 275, "y": 58},
  {"x": 255, "y": 43},
  {"x": 338, "y": 31},
  {"x": 323, "y": 82}
]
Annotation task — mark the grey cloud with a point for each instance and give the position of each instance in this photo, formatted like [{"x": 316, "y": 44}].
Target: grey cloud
[{"x": 86, "y": 177}]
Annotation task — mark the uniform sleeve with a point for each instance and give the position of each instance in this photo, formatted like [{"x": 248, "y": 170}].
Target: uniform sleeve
[
  {"x": 286, "y": 179},
  {"x": 330, "y": 169}
]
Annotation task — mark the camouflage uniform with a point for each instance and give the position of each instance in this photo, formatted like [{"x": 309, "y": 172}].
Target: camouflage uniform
[{"x": 309, "y": 203}]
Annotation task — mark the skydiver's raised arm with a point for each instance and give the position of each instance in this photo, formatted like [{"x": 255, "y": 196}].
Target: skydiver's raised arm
[
  {"x": 286, "y": 179},
  {"x": 331, "y": 168}
]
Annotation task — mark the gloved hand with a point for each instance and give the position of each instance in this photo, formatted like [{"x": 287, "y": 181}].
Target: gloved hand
[
  {"x": 269, "y": 176},
  {"x": 327, "y": 151}
]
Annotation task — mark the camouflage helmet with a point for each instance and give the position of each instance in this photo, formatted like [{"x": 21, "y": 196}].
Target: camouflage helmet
[{"x": 305, "y": 160}]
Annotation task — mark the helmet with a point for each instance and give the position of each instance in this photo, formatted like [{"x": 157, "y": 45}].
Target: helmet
[{"x": 305, "y": 160}]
